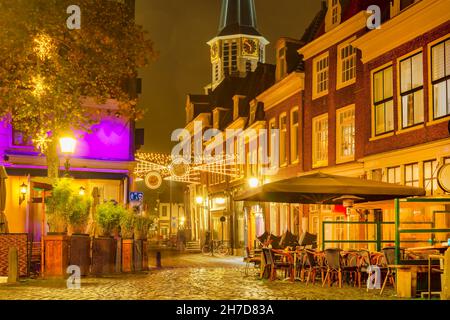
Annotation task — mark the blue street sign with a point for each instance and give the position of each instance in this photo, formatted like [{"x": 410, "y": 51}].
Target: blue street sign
[{"x": 136, "y": 196}]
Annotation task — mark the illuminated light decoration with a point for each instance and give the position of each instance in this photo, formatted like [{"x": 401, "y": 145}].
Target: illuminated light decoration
[
  {"x": 41, "y": 141},
  {"x": 199, "y": 200},
  {"x": 222, "y": 164},
  {"x": 153, "y": 180},
  {"x": 253, "y": 182},
  {"x": 39, "y": 87},
  {"x": 44, "y": 46}
]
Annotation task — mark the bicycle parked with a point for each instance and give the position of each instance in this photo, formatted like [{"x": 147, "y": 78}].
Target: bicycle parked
[{"x": 218, "y": 247}]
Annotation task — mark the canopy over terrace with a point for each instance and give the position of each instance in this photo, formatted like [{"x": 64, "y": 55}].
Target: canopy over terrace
[{"x": 321, "y": 188}]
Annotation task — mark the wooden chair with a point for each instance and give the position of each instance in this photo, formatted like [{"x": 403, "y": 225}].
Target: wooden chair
[
  {"x": 313, "y": 264},
  {"x": 389, "y": 267},
  {"x": 251, "y": 258},
  {"x": 274, "y": 265}
]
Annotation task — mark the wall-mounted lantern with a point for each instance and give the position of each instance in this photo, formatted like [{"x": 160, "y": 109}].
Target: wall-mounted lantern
[{"x": 23, "y": 193}]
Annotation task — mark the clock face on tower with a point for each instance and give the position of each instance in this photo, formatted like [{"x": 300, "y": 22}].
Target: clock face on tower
[
  {"x": 250, "y": 47},
  {"x": 214, "y": 51}
]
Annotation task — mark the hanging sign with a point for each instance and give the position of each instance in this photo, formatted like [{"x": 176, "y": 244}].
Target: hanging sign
[{"x": 153, "y": 180}]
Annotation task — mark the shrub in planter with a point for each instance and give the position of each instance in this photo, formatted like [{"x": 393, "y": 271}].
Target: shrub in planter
[
  {"x": 142, "y": 225},
  {"x": 79, "y": 215},
  {"x": 59, "y": 206},
  {"x": 127, "y": 222},
  {"x": 108, "y": 217}
]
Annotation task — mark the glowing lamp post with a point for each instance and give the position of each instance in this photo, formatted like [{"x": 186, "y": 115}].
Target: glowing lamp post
[
  {"x": 67, "y": 145},
  {"x": 253, "y": 182}
]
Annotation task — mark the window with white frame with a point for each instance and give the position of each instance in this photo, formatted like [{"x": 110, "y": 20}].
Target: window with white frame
[
  {"x": 346, "y": 65},
  {"x": 383, "y": 101},
  {"x": 394, "y": 175},
  {"x": 294, "y": 135},
  {"x": 345, "y": 140},
  {"x": 229, "y": 54},
  {"x": 412, "y": 175},
  {"x": 283, "y": 139},
  {"x": 320, "y": 74},
  {"x": 320, "y": 141},
  {"x": 411, "y": 90},
  {"x": 430, "y": 176},
  {"x": 440, "y": 79}
]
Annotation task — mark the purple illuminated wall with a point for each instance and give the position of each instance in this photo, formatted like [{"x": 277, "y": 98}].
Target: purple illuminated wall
[{"x": 109, "y": 140}]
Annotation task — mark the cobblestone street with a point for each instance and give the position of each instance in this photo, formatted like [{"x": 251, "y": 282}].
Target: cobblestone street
[{"x": 189, "y": 277}]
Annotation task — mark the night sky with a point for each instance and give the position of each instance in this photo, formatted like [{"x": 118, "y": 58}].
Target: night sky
[{"x": 180, "y": 30}]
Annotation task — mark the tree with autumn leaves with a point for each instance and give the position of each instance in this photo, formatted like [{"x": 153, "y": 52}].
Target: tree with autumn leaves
[{"x": 48, "y": 72}]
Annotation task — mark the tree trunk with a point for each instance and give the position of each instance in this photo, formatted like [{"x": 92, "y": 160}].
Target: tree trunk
[{"x": 52, "y": 160}]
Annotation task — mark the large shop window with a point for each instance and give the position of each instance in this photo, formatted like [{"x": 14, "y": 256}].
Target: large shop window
[
  {"x": 320, "y": 141},
  {"x": 440, "y": 79},
  {"x": 320, "y": 71},
  {"x": 383, "y": 101},
  {"x": 345, "y": 134},
  {"x": 411, "y": 90}
]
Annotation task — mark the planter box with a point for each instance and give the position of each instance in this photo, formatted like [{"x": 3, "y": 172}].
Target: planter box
[
  {"x": 137, "y": 255},
  {"x": 127, "y": 255},
  {"x": 144, "y": 255},
  {"x": 56, "y": 258},
  {"x": 103, "y": 256},
  {"x": 80, "y": 252}
]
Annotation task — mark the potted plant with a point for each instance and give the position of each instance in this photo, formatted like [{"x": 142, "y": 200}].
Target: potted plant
[
  {"x": 142, "y": 225},
  {"x": 104, "y": 248},
  {"x": 80, "y": 243},
  {"x": 56, "y": 243},
  {"x": 127, "y": 223}
]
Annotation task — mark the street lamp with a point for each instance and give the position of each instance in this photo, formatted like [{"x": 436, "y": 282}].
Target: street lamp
[
  {"x": 23, "y": 192},
  {"x": 67, "y": 144},
  {"x": 199, "y": 200},
  {"x": 253, "y": 182}
]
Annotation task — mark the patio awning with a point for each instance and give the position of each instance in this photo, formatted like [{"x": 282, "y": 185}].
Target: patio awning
[{"x": 321, "y": 188}]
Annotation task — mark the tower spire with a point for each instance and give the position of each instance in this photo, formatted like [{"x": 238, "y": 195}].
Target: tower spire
[{"x": 238, "y": 17}]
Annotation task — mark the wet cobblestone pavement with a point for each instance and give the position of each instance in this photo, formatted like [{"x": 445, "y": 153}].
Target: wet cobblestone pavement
[{"x": 186, "y": 277}]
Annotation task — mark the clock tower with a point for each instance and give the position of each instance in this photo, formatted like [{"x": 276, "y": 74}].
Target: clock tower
[{"x": 238, "y": 46}]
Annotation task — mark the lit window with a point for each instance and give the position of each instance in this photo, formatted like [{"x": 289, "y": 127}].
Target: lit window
[
  {"x": 412, "y": 175},
  {"x": 164, "y": 211},
  {"x": 383, "y": 101},
  {"x": 283, "y": 139},
  {"x": 430, "y": 176},
  {"x": 346, "y": 134},
  {"x": 346, "y": 65},
  {"x": 320, "y": 141},
  {"x": 411, "y": 90},
  {"x": 440, "y": 79},
  {"x": 393, "y": 175},
  {"x": 294, "y": 135},
  {"x": 320, "y": 66}
]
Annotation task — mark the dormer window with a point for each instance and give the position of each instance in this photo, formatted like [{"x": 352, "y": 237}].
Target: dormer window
[
  {"x": 236, "y": 106},
  {"x": 399, "y": 5},
  {"x": 333, "y": 18},
  {"x": 281, "y": 63}
]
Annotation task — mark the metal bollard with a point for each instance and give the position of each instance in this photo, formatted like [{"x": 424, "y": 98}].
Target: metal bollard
[{"x": 158, "y": 260}]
